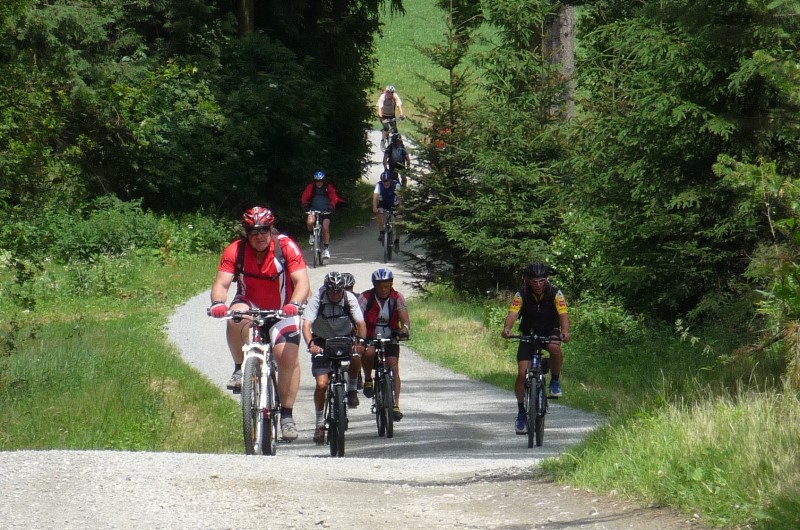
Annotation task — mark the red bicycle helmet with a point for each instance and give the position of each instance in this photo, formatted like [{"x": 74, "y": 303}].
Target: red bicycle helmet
[{"x": 257, "y": 217}]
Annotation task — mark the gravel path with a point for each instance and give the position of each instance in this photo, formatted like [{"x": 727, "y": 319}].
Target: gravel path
[{"x": 454, "y": 461}]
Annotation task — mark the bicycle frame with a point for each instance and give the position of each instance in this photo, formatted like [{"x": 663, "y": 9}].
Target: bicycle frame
[
  {"x": 383, "y": 385},
  {"x": 388, "y": 234},
  {"x": 335, "y": 396},
  {"x": 260, "y": 416},
  {"x": 535, "y": 388},
  {"x": 317, "y": 233}
]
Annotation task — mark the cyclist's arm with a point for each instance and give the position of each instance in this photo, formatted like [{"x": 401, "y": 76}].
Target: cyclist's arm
[
  {"x": 375, "y": 198},
  {"x": 563, "y": 316},
  {"x": 399, "y": 103},
  {"x": 513, "y": 314},
  {"x": 301, "y": 284},
  {"x": 219, "y": 289}
]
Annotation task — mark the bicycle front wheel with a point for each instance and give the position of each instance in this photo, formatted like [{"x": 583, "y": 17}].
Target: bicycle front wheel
[
  {"x": 380, "y": 410},
  {"x": 541, "y": 411},
  {"x": 387, "y": 245},
  {"x": 530, "y": 410},
  {"x": 252, "y": 415},
  {"x": 341, "y": 413},
  {"x": 316, "y": 250},
  {"x": 388, "y": 403},
  {"x": 269, "y": 443}
]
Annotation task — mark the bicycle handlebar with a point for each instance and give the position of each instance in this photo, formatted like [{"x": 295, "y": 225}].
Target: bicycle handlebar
[
  {"x": 255, "y": 314},
  {"x": 395, "y": 338},
  {"x": 316, "y": 212},
  {"x": 544, "y": 339}
]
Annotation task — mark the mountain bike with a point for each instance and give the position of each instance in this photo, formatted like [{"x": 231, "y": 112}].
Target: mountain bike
[
  {"x": 386, "y": 138},
  {"x": 535, "y": 388},
  {"x": 388, "y": 234},
  {"x": 316, "y": 237},
  {"x": 339, "y": 350},
  {"x": 260, "y": 401},
  {"x": 383, "y": 396}
]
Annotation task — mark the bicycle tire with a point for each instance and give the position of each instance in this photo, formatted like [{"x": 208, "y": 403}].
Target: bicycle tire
[
  {"x": 315, "y": 250},
  {"x": 541, "y": 411},
  {"x": 320, "y": 250},
  {"x": 387, "y": 249},
  {"x": 388, "y": 403},
  {"x": 252, "y": 417},
  {"x": 341, "y": 419},
  {"x": 530, "y": 411},
  {"x": 380, "y": 410},
  {"x": 269, "y": 442},
  {"x": 330, "y": 416}
]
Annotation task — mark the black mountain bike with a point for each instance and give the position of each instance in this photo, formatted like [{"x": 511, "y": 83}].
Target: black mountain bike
[
  {"x": 386, "y": 138},
  {"x": 383, "y": 396},
  {"x": 261, "y": 404},
  {"x": 535, "y": 388},
  {"x": 388, "y": 234},
  {"x": 339, "y": 350}
]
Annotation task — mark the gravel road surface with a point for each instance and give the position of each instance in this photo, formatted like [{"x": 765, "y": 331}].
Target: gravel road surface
[{"x": 454, "y": 461}]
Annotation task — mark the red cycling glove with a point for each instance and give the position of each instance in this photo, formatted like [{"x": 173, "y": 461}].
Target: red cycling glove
[
  {"x": 218, "y": 310},
  {"x": 289, "y": 310}
]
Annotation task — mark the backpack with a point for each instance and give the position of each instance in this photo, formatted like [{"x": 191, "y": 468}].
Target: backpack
[
  {"x": 346, "y": 308},
  {"x": 239, "y": 270}
]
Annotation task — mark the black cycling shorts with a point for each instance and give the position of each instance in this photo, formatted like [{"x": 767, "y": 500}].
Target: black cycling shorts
[{"x": 525, "y": 350}]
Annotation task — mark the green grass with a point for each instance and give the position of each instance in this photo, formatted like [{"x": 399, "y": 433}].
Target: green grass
[
  {"x": 97, "y": 372},
  {"x": 675, "y": 437},
  {"x": 400, "y": 63}
]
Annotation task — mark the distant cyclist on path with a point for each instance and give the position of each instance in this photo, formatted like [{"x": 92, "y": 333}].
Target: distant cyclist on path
[
  {"x": 542, "y": 309},
  {"x": 320, "y": 196}
]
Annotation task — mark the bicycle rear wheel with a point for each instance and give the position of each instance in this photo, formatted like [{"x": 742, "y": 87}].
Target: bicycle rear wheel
[
  {"x": 541, "y": 411},
  {"x": 388, "y": 403},
  {"x": 252, "y": 416},
  {"x": 380, "y": 409},
  {"x": 269, "y": 443},
  {"x": 530, "y": 410}
]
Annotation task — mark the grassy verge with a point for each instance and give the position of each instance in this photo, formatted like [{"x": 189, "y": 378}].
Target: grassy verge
[
  {"x": 97, "y": 372},
  {"x": 674, "y": 436}
]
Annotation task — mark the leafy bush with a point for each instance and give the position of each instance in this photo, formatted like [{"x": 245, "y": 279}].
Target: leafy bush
[{"x": 592, "y": 315}]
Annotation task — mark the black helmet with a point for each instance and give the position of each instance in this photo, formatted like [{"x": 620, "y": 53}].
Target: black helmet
[
  {"x": 334, "y": 281},
  {"x": 536, "y": 270}
]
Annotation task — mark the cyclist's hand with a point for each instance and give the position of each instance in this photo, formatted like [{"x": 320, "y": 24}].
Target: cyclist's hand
[
  {"x": 566, "y": 336},
  {"x": 402, "y": 118},
  {"x": 218, "y": 310},
  {"x": 505, "y": 333},
  {"x": 289, "y": 310}
]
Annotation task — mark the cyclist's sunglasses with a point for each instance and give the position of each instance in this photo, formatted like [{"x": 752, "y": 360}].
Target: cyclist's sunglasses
[{"x": 258, "y": 231}]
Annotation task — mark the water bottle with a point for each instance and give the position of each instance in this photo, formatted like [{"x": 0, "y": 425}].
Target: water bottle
[{"x": 535, "y": 361}]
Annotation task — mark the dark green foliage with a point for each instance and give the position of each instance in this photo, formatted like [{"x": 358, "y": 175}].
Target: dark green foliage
[
  {"x": 491, "y": 202},
  {"x": 667, "y": 89},
  {"x": 163, "y": 102}
]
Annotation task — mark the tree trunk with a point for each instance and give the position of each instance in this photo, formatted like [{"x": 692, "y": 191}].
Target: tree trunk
[
  {"x": 244, "y": 15},
  {"x": 560, "y": 49}
]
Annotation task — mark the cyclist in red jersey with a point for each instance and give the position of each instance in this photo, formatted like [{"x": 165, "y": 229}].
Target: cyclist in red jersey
[
  {"x": 267, "y": 280},
  {"x": 543, "y": 311},
  {"x": 386, "y": 313}
]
